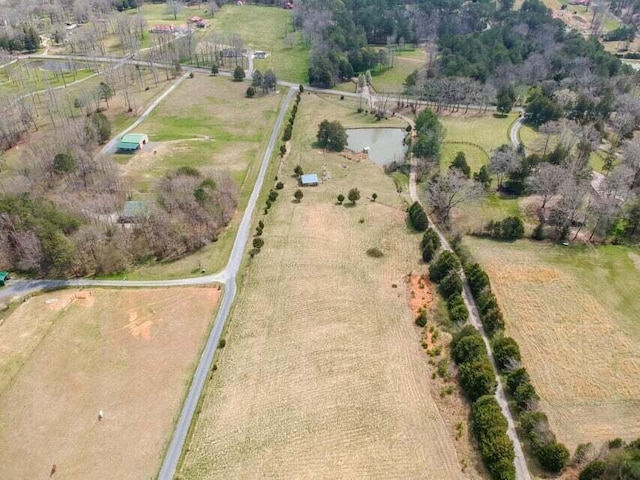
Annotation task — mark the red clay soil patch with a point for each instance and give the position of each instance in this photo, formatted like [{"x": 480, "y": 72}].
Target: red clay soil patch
[{"x": 420, "y": 292}]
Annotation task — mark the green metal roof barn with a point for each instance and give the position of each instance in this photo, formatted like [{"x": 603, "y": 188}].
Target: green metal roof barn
[{"x": 132, "y": 141}]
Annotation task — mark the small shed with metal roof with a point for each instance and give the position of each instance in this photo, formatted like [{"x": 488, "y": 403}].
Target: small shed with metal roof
[
  {"x": 309, "y": 180},
  {"x": 4, "y": 276},
  {"x": 132, "y": 142}
]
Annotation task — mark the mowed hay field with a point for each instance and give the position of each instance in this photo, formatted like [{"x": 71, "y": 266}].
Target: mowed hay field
[
  {"x": 576, "y": 315},
  {"x": 64, "y": 356},
  {"x": 323, "y": 375}
]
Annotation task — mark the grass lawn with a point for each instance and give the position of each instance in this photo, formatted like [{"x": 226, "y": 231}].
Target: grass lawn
[
  {"x": 475, "y": 156},
  {"x": 69, "y": 354},
  {"x": 305, "y": 380},
  {"x": 575, "y": 313},
  {"x": 487, "y": 131},
  {"x": 404, "y": 63},
  {"x": 207, "y": 123},
  {"x": 156, "y": 13},
  {"x": 37, "y": 78},
  {"x": 265, "y": 28}
]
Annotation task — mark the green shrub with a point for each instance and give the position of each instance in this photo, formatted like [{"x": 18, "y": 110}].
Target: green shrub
[
  {"x": 450, "y": 285},
  {"x": 375, "y": 253},
  {"x": 340, "y": 199},
  {"x": 477, "y": 379},
  {"x": 593, "y": 471},
  {"x": 553, "y": 456},
  {"x": 459, "y": 314},
  {"x": 454, "y": 300},
  {"x": 511, "y": 228},
  {"x": 421, "y": 319},
  {"x": 445, "y": 263},
  {"x": 538, "y": 232},
  {"x": 517, "y": 378},
  {"x": 430, "y": 236},
  {"x": 477, "y": 278},
  {"x": 279, "y": 186},
  {"x": 466, "y": 331},
  {"x": 222, "y": 343},
  {"x": 428, "y": 252},
  {"x": 486, "y": 417},
  {"x": 258, "y": 243},
  {"x": 525, "y": 396},
  {"x": 506, "y": 351},
  {"x": 486, "y": 301},
  {"x": 492, "y": 321},
  {"x": 418, "y": 217},
  {"x": 469, "y": 349}
]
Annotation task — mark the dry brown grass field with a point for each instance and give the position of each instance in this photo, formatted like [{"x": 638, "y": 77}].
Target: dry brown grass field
[
  {"x": 575, "y": 313},
  {"x": 66, "y": 355},
  {"x": 323, "y": 375}
]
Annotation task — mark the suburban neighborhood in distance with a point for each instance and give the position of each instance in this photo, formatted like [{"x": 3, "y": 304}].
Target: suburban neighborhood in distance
[{"x": 359, "y": 239}]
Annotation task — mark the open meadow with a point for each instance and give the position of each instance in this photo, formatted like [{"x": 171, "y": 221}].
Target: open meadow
[
  {"x": 323, "y": 375},
  {"x": 575, "y": 313},
  {"x": 66, "y": 355},
  {"x": 209, "y": 124},
  {"x": 269, "y": 29}
]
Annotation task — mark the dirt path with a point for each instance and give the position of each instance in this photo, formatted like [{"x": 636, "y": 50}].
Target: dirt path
[{"x": 522, "y": 471}]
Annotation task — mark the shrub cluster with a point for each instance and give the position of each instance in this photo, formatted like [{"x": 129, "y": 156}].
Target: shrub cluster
[
  {"x": 490, "y": 429},
  {"x": 478, "y": 381},
  {"x": 488, "y": 308},
  {"x": 430, "y": 245},
  {"x": 511, "y": 228},
  {"x": 477, "y": 377},
  {"x": 552, "y": 455},
  {"x": 418, "y": 217},
  {"x": 622, "y": 462},
  {"x": 288, "y": 130},
  {"x": 445, "y": 272}
]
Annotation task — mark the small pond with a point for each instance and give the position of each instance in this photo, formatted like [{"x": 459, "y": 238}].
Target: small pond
[{"x": 385, "y": 144}]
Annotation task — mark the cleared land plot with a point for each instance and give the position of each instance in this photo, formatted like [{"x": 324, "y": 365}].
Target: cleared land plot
[
  {"x": 64, "y": 356},
  {"x": 323, "y": 375},
  {"x": 206, "y": 123},
  {"x": 404, "y": 63},
  {"x": 575, "y": 314},
  {"x": 477, "y": 136},
  {"x": 266, "y": 28}
]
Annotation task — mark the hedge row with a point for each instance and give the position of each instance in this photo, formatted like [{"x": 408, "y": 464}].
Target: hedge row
[
  {"x": 288, "y": 130},
  {"x": 478, "y": 381},
  {"x": 552, "y": 455},
  {"x": 444, "y": 271},
  {"x": 490, "y": 429},
  {"x": 418, "y": 217}
]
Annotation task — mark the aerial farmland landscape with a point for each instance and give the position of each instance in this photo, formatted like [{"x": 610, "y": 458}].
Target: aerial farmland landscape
[{"x": 365, "y": 239}]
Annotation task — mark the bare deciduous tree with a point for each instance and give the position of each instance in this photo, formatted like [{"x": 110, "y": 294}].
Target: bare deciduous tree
[{"x": 449, "y": 190}]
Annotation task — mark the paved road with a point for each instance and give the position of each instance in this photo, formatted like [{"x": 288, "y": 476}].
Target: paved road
[
  {"x": 514, "y": 132},
  {"x": 522, "y": 472},
  {"x": 111, "y": 146},
  {"x": 174, "y": 451}
]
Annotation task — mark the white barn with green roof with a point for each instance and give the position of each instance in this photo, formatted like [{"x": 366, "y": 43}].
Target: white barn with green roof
[{"x": 132, "y": 142}]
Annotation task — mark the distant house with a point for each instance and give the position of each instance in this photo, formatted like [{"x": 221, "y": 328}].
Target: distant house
[
  {"x": 195, "y": 19},
  {"x": 259, "y": 54},
  {"x": 134, "y": 211},
  {"x": 203, "y": 23},
  {"x": 4, "y": 276},
  {"x": 309, "y": 180},
  {"x": 579, "y": 2},
  {"x": 132, "y": 142},
  {"x": 163, "y": 29}
]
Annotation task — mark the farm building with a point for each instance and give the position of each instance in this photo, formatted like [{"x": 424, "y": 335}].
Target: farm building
[
  {"x": 132, "y": 142},
  {"x": 309, "y": 180},
  {"x": 4, "y": 276},
  {"x": 134, "y": 210},
  {"x": 259, "y": 54},
  {"x": 163, "y": 29}
]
